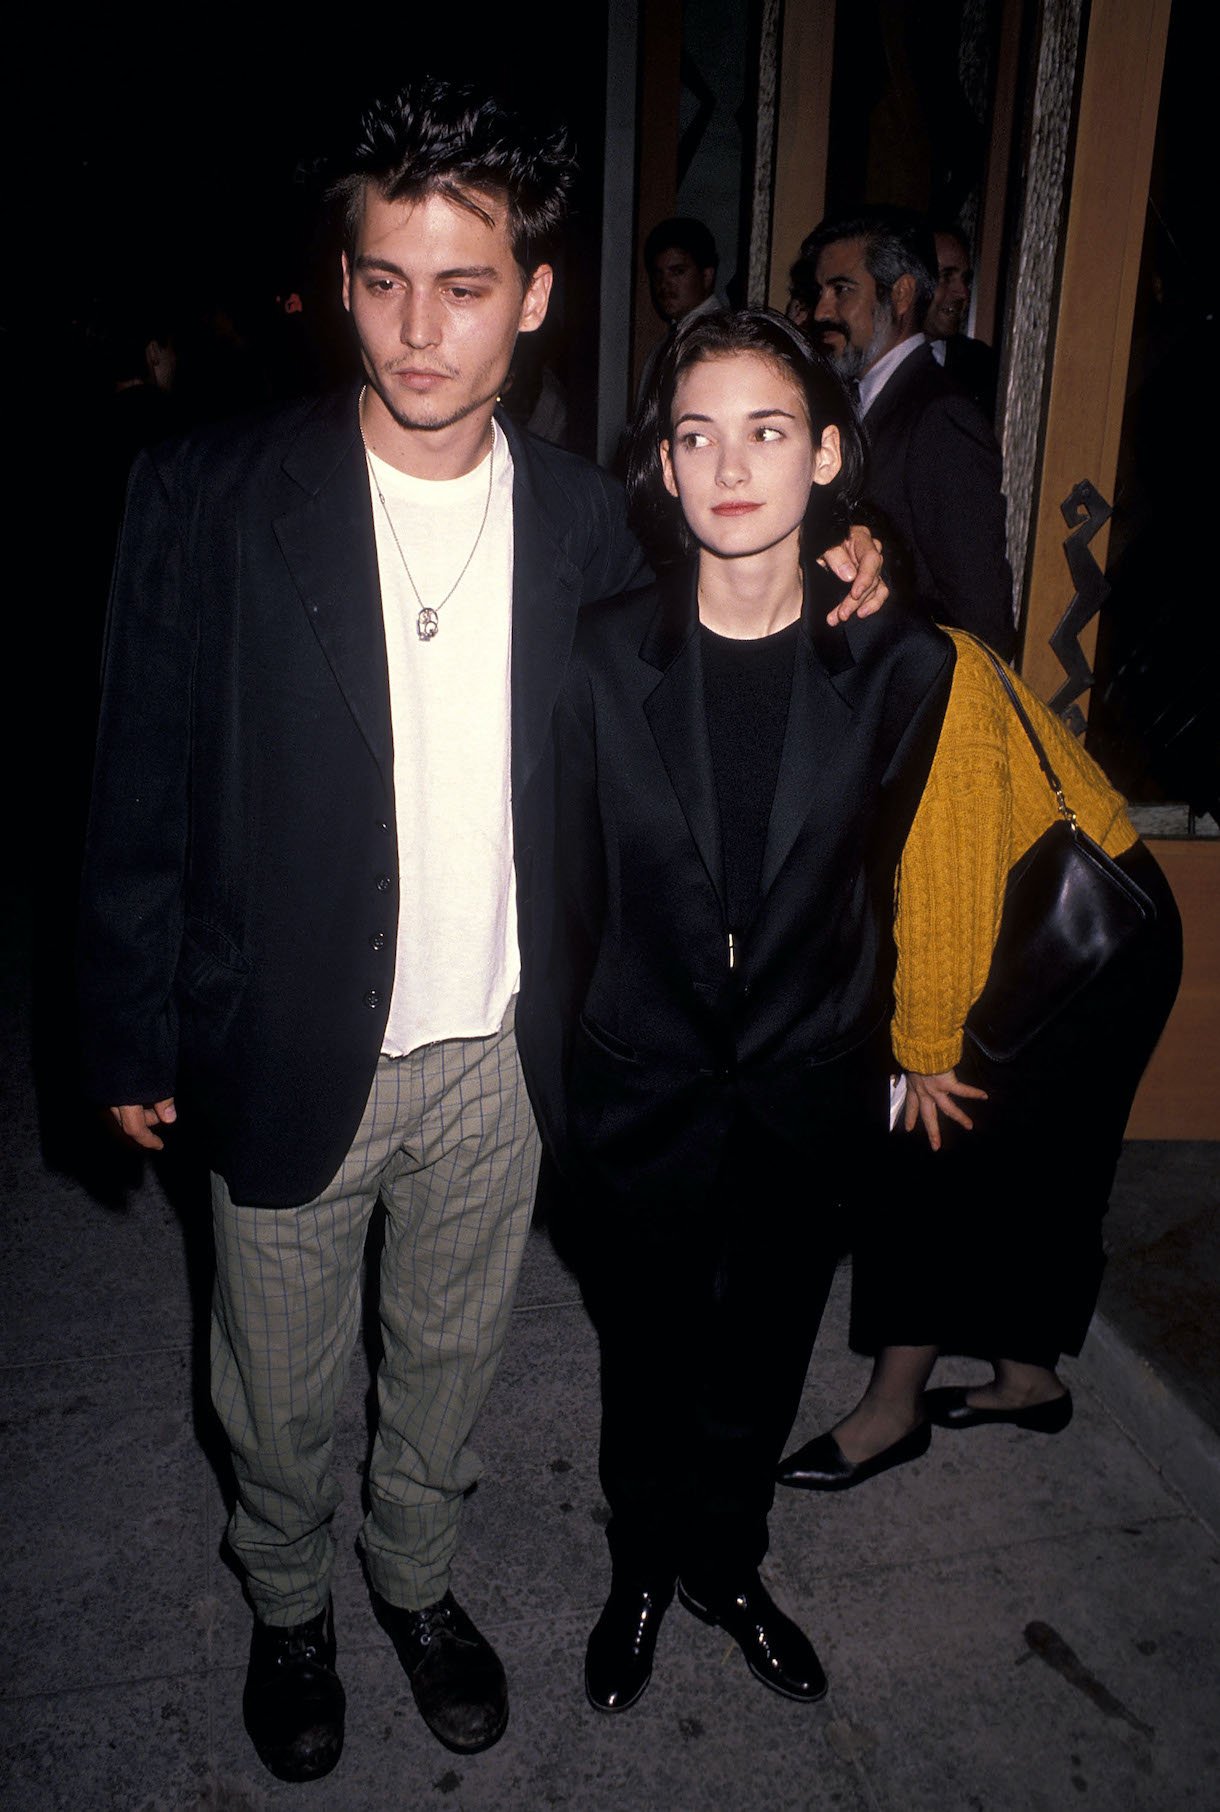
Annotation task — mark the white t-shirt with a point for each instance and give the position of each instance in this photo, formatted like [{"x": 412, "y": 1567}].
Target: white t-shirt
[{"x": 457, "y": 963}]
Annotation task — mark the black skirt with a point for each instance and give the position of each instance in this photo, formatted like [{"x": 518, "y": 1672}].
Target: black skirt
[{"x": 992, "y": 1246}]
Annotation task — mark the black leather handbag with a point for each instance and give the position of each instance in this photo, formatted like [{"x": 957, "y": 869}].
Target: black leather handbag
[{"x": 1069, "y": 909}]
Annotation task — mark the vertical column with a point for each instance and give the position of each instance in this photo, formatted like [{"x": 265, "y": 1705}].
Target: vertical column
[
  {"x": 762, "y": 187},
  {"x": 1037, "y": 263},
  {"x": 1116, "y": 128},
  {"x": 801, "y": 128},
  {"x": 986, "y": 302},
  {"x": 660, "y": 42},
  {"x": 618, "y": 223}
]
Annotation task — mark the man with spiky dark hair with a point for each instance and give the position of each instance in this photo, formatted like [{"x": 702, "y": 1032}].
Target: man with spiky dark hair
[{"x": 322, "y": 794}]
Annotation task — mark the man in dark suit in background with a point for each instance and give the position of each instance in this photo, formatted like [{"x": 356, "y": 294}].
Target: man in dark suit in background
[
  {"x": 336, "y": 637},
  {"x": 934, "y": 466},
  {"x": 681, "y": 261}
]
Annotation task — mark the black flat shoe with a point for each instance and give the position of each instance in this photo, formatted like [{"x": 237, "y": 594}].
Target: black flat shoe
[
  {"x": 822, "y": 1465},
  {"x": 294, "y": 1701},
  {"x": 618, "y": 1660},
  {"x": 453, "y": 1671},
  {"x": 948, "y": 1408},
  {"x": 776, "y": 1651}
]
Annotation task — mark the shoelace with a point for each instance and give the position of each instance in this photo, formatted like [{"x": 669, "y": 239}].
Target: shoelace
[
  {"x": 302, "y": 1646},
  {"x": 435, "y": 1620}
]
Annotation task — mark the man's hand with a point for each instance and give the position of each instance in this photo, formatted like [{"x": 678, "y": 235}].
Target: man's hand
[
  {"x": 930, "y": 1096},
  {"x": 136, "y": 1123},
  {"x": 859, "y": 559}
]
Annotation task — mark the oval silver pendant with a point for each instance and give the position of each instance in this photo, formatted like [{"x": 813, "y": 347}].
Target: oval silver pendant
[{"x": 426, "y": 624}]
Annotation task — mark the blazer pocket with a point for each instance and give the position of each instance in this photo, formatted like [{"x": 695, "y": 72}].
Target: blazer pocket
[
  {"x": 212, "y": 978},
  {"x": 206, "y": 947},
  {"x": 606, "y": 1042},
  {"x": 845, "y": 1044}
]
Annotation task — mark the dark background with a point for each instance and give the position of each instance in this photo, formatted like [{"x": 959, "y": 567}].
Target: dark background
[{"x": 171, "y": 164}]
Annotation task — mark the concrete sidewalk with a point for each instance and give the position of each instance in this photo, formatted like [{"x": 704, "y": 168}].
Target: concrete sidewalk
[{"x": 1014, "y": 1624}]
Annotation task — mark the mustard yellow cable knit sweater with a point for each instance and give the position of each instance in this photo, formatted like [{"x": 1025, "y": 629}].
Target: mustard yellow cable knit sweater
[{"x": 985, "y": 803}]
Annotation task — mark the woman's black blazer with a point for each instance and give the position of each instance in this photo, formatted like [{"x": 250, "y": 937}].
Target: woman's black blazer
[{"x": 667, "y": 1037}]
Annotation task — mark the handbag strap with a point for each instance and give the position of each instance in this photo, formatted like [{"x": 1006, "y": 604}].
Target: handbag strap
[{"x": 1052, "y": 778}]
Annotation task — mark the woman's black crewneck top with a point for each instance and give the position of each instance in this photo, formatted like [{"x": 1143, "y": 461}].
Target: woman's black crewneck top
[{"x": 747, "y": 687}]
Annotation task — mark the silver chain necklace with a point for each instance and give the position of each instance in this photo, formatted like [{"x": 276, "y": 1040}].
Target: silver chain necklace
[{"x": 428, "y": 621}]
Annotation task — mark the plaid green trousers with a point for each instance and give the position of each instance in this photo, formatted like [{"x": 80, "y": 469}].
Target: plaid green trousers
[{"x": 448, "y": 1142}]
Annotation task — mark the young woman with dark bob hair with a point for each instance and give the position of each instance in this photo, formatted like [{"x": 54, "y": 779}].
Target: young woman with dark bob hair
[{"x": 737, "y": 771}]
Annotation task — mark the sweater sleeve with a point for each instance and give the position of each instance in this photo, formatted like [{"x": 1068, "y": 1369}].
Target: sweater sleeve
[{"x": 951, "y": 879}]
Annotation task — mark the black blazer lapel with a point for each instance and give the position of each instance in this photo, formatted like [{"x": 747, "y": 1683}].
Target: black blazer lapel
[
  {"x": 546, "y": 600},
  {"x": 326, "y": 536},
  {"x": 678, "y": 719},
  {"x": 918, "y": 372},
  {"x": 820, "y": 713}
]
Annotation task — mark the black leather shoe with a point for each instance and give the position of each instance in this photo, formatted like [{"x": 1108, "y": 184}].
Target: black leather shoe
[
  {"x": 776, "y": 1652},
  {"x": 453, "y": 1671},
  {"x": 618, "y": 1660},
  {"x": 294, "y": 1701},
  {"x": 948, "y": 1408},
  {"x": 822, "y": 1465}
]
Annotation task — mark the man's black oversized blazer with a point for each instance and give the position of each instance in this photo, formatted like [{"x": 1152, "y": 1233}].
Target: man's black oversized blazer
[
  {"x": 669, "y": 1037},
  {"x": 241, "y": 875},
  {"x": 935, "y": 474}
]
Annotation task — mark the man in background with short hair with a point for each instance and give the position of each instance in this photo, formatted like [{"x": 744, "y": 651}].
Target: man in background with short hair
[
  {"x": 970, "y": 363},
  {"x": 934, "y": 469},
  {"x": 681, "y": 261}
]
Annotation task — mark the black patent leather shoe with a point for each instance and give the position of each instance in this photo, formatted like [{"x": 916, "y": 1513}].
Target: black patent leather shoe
[
  {"x": 822, "y": 1465},
  {"x": 453, "y": 1671},
  {"x": 776, "y": 1651},
  {"x": 294, "y": 1701},
  {"x": 618, "y": 1660},
  {"x": 948, "y": 1408}
]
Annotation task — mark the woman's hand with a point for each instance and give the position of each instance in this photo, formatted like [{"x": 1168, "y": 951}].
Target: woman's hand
[
  {"x": 930, "y": 1096},
  {"x": 859, "y": 559}
]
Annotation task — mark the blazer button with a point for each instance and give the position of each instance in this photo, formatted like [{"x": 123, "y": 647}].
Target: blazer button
[
  {"x": 372, "y": 998},
  {"x": 377, "y": 941},
  {"x": 384, "y": 883},
  {"x": 383, "y": 825}
]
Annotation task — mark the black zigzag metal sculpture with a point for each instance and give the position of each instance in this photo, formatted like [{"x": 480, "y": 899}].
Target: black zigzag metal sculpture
[{"x": 1085, "y": 511}]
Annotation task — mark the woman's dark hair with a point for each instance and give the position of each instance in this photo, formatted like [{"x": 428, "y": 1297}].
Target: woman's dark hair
[
  {"x": 655, "y": 515},
  {"x": 445, "y": 138}
]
